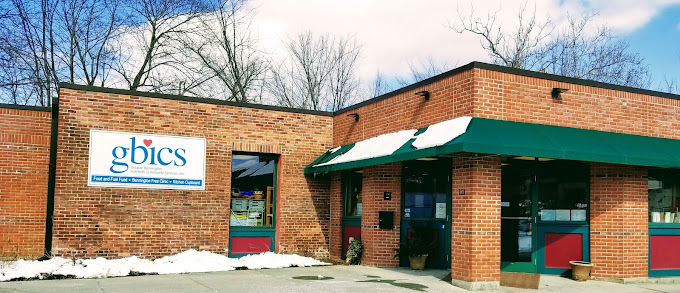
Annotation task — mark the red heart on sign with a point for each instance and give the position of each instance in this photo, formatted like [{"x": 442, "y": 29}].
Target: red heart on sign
[{"x": 147, "y": 142}]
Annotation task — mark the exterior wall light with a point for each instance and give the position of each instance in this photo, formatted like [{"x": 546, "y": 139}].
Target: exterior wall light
[
  {"x": 557, "y": 91},
  {"x": 355, "y": 115},
  {"x": 424, "y": 94}
]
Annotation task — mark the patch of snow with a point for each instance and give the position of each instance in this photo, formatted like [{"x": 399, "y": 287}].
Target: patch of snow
[
  {"x": 442, "y": 132},
  {"x": 379, "y": 146},
  {"x": 190, "y": 261},
  {"x": 333, "y": 150}
]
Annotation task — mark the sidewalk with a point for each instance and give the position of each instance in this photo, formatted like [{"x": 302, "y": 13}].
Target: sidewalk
[{"x": 312, "y": 280}]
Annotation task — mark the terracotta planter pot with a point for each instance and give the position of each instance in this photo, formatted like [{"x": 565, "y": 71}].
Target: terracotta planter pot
[
  {"x": 580, "y": 270},
  {"x": 417, "y": 262}
]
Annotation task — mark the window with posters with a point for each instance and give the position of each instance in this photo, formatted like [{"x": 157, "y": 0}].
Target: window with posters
[{"x": 252, "y": 189}]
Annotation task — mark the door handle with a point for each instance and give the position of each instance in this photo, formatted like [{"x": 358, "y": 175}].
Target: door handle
[{"x": 515, "y": 218}]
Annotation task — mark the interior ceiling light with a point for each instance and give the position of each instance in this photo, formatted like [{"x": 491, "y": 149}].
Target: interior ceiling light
[
  {"x": 427, "y": 159},
  {"x": 533, "y": 159},
  {"x": 525, "y": 158}
]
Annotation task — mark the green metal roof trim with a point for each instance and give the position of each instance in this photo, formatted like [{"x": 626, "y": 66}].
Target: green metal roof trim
[{"x": 534, "y": 140}]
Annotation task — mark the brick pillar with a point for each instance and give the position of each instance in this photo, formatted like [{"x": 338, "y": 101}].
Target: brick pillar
[
  {"x": 379, "y": 244},
  {"x": 476, "y": 224},
  {"x": 336, "y": 216},
  {"x": 618, "y": 221}
]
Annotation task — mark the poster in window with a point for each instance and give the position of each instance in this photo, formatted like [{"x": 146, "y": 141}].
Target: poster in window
[
  {"x": 562, "y": 215},
  {"x": 578, "y": 215},
  {"x": 440, "y": 210},
  {"x": 547, "y": 215}
]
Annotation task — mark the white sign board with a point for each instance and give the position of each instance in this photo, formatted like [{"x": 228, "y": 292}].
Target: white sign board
[{"x": 136, "y": 160}]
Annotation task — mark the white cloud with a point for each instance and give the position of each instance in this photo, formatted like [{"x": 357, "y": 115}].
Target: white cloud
[{"x": 397, "y": 32}]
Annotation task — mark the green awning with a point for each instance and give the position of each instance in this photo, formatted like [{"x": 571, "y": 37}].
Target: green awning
[{"x": 491, "y": 136}]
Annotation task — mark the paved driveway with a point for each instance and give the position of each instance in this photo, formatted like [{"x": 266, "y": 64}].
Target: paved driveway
[{"x": 314, "y": 279}]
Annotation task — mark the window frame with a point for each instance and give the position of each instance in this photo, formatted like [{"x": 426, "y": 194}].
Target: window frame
[{"x": 275, "y": 158}]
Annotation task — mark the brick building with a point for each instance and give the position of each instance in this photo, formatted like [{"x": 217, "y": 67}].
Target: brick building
[{"x": 506, "y": 170}]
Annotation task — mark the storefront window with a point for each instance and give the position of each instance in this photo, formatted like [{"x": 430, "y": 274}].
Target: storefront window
[
  {"x": 352, "y": 190},
  {"x": 252, "y": 190},
  {"x": 664, "y": 196},
  {"x": 563, "y": 191},
  {"x": 425, "y": 190}
]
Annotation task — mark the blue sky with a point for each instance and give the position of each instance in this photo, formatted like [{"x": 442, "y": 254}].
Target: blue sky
[{"x": 659, "y": 42}]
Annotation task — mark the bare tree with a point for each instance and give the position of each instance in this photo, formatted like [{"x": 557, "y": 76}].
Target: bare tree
[
  {"x": 36, "y": 47},
  {"x": 520, "y": 48},
  {"x": 89, "y": 27},
  {"x": 53, "y": 41},
  {"x": 227, "y": 51},
  {"x": 319, "y": 74},
  {"x": 159, "y": 25},
  {"x": 423, "y": 70},
  {"x": 379, "y": 86},
  {"x": 573, "y": 52},
  {"x": 343, "y": 84},
  {"x": 670, "y": 85},
  {"x": 597, "y": 56}
]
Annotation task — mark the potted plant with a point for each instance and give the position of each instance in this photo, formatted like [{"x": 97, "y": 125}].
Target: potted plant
[
  {"x": 580, "y": 270},
  {"x": 416, "y": 247},
  {"x": 354, "y": 252}
]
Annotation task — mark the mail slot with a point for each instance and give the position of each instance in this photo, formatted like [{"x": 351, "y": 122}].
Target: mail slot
[{"x": 386, "y": 219}]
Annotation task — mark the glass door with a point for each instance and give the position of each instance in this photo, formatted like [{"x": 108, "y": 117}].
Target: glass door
[
  {"x": 427, "y": 206},
  {"x": 352, "y": 207},
  {"x": 544, "y": 214},
  {"x": 518, "y": 219}
]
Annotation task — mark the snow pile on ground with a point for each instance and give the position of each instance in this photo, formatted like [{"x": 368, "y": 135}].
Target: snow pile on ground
[{"x": 190, "y": 261}]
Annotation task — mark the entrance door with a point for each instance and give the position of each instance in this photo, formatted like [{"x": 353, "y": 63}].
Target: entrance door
[
  {"x": 352, "y": 207},
  {"x": 427, "y": 205},
  {"x": 518, "y": 220},
  {"x": 544, "y": 214}
]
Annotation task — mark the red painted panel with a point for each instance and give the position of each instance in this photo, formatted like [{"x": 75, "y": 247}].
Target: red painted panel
[
  {"x": 663, "y": 250},
  {"x": 560, "y": 248},
  {"x": 250, "y": 244},
  {"x": 350, "y": 232}
]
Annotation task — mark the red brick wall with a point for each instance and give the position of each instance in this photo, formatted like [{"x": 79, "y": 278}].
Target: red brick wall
[
  {"x": 24, "y": 167},
  {"x": 116, "y": 222},
  {"x": 527, "y": 99},
  {"x": 491, "y": 94},
  {"x": 476, "y": 225},
  {"x": 449, "y": 98},
  {"x": 379, "y": 244},
  {"x": 618, "y": 221},
  {"x": 336, "y": 215}
]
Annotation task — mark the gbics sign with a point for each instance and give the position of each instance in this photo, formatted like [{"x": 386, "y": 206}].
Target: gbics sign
[{"x": 135, "y": 160}]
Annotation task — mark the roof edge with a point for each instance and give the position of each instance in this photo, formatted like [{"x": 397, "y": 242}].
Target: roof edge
[
  {"x": 515, "y": 71},
  {"x": 26, "y": 107},
  {"x": 189, "y": 99}
]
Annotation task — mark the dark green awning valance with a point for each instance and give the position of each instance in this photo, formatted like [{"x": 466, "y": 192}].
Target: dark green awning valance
[{"x": 491, "y": 136}]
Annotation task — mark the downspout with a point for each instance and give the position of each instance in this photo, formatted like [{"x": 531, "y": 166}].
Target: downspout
[{"x": 51, "y": 180}]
